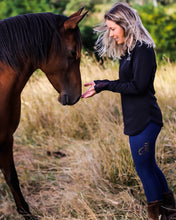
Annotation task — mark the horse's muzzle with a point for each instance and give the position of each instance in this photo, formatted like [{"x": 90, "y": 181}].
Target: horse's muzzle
[{"x": 65, "y": 99}]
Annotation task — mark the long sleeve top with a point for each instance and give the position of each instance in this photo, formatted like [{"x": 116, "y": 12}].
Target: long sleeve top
[{"x": 136, "y": 86}]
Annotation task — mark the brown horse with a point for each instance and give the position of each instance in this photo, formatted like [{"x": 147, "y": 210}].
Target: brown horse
[{"x": 46, "y": 41}]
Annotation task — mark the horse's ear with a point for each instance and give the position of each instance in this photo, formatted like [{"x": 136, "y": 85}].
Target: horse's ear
[
  {"x": 77, "y": 13},
  {"x": 74, "y": 19}
]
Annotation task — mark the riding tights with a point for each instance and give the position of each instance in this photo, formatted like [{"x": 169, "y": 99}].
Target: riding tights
[{"x": 143, "y": 153}]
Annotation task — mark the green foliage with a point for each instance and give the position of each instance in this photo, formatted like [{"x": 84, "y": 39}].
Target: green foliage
[
  {"x": 159, "y": 21},
  {"x": 166, "y": 2},
  {"x": 74, "y": 5},
  {"x": 11, "y": 8},
  {"x": 161, "y": 26},
  {"x": 88, "y": 37}
]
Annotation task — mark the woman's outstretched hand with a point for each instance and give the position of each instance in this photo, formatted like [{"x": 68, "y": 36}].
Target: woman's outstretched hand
[{"x": 90, "y": 92}]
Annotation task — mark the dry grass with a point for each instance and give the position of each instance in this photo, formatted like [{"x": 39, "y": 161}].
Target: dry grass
[{"x": 96, "y": 179}]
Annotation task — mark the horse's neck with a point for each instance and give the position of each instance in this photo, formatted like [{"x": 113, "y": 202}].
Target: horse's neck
[{"x": 15, "y": 80}]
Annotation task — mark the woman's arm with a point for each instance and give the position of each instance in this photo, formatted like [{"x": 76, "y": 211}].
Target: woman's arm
[{"x": 144, "y": 66}]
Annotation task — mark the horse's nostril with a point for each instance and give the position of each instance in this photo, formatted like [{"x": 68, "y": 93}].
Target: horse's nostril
[{"x": 65, "y": 99}]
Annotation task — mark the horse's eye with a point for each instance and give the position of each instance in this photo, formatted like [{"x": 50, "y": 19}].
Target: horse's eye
[{"x": 73, "y": 53}]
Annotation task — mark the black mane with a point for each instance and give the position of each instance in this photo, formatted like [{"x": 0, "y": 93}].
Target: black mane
[{"x": 29, "y": 36}]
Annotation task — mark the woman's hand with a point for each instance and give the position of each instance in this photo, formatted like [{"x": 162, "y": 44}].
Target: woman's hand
[{"x": 90, "y": 92}]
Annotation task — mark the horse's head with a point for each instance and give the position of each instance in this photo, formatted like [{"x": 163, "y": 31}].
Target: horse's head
[{"x": 63, "y": 68}]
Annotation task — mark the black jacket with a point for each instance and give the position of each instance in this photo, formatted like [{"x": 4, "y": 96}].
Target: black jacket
[{"x": 135, "y": 84}]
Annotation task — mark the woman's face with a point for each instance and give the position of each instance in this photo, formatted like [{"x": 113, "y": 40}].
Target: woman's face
[{"x": 115, "y": 31}]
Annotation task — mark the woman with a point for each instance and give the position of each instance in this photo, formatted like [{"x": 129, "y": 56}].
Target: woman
[{"x": 124, "y": 37}]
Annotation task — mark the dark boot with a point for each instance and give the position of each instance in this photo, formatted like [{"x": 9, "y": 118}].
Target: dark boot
[
  {"x": 154, "y": 210},
  {"x": 168, "y": 200},
  {"x": 168, "y": 214},
  {"x": 168, "y": 207}
]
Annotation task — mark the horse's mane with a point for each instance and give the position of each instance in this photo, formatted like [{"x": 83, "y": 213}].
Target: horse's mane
[{"x": 29, "y": 36}]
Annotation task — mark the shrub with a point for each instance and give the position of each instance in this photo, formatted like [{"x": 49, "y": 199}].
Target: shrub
[
  {"x": 161, "y": 27},
  {"x": 11, "y": 8}
]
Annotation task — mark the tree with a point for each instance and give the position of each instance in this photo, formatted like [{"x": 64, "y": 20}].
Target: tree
[{"x": 11, "y": 8}]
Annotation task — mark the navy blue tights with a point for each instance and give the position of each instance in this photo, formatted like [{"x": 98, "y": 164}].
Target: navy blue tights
[{"x": 143, "y": 153}]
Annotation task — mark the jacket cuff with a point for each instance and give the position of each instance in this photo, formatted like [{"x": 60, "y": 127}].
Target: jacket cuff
[{"x": 101, "y": 85}]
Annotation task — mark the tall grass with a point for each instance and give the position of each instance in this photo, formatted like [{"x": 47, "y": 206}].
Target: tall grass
[{"x": 96, "y": 179}]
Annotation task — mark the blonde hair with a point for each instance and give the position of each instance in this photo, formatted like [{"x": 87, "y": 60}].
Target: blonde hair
[{"x": 128, "y": 18}]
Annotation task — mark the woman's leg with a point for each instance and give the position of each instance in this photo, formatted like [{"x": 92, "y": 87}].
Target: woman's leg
[{"x": 143, "y": 153}]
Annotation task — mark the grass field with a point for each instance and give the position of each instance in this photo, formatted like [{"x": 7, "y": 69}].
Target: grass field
[{"x": 95, "y": 179}]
